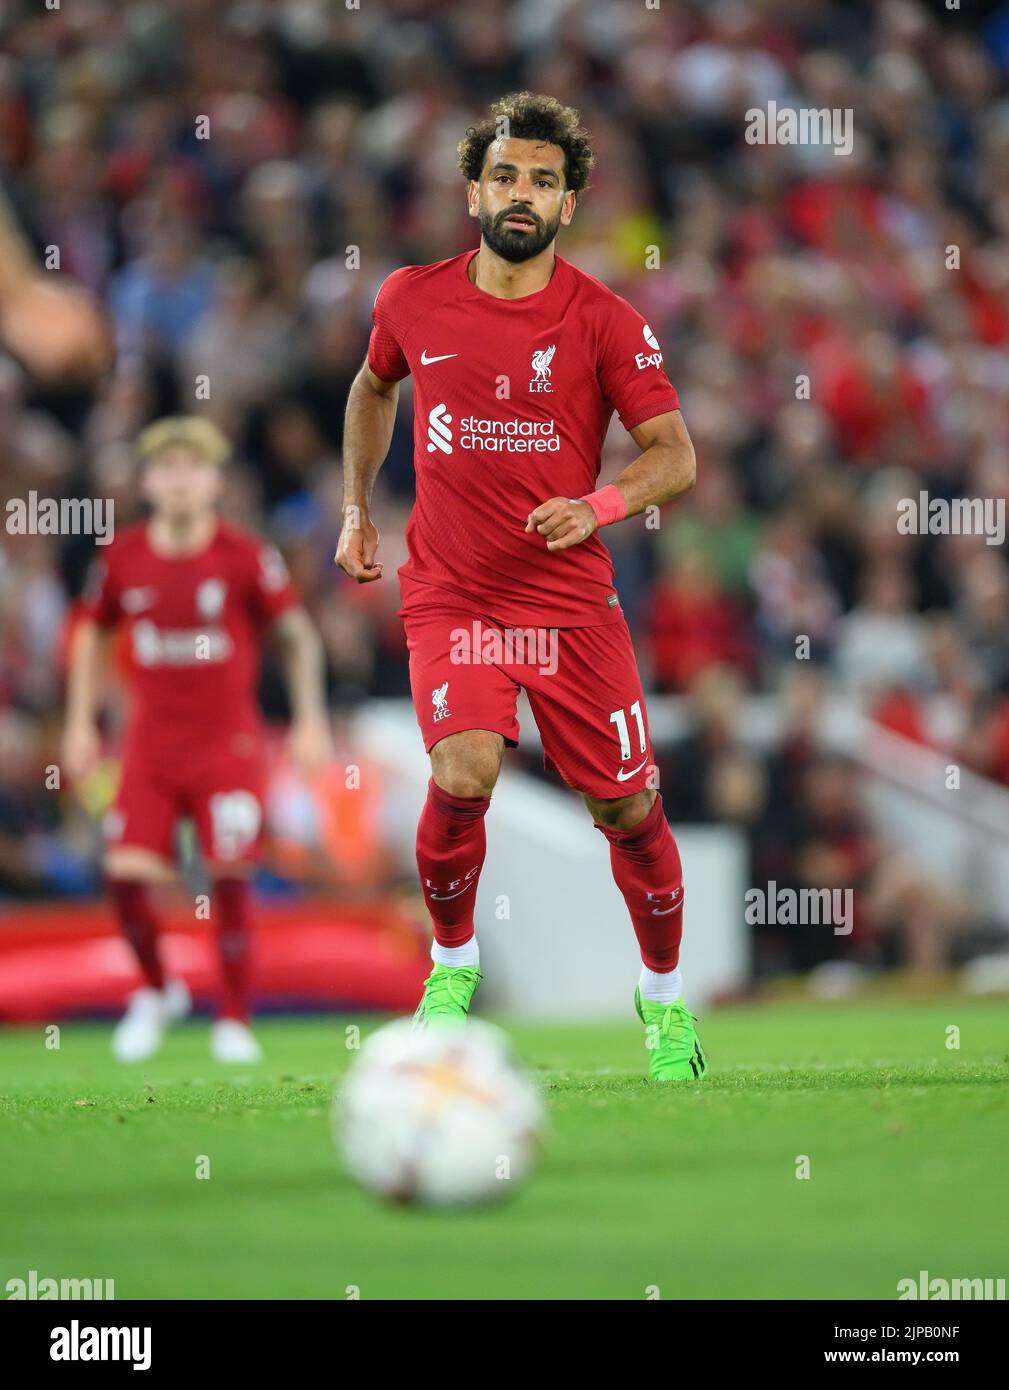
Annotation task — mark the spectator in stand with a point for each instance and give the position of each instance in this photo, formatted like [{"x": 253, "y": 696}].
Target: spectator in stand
[
  {"x": 883, "y": 641},
  {"x": 694, "y": 623},
  {"x": 707, "y": 773}
]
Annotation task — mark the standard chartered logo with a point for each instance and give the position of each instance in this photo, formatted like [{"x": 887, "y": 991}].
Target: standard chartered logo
[
  {"x": 159, "y": 646},
  {"x": 438, "y": 432},
  {"x": 492, "y": 436}
]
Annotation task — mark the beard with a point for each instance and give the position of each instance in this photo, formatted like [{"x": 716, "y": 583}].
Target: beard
[{"x": 517, "y": 246}]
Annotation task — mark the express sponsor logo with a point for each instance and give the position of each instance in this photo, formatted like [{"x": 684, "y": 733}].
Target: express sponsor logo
[{"x": 649, "y": 359}]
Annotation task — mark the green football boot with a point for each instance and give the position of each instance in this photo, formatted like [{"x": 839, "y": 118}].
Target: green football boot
[
  {"x": 674, "y": 1052},
  {"x": 448, "y": 991}
]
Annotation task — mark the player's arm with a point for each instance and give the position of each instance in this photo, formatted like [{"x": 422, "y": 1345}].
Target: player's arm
[
  {"x": 56, "y": 329},
  {"x": 81, "y": 741},
  {"x": 305, "y": 672},
  {"x": 665, "y": 468},
  {"x": 367, "y": 434}
]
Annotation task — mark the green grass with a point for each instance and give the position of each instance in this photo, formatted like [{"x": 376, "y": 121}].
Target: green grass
[{"x": 692, "y": 1191}]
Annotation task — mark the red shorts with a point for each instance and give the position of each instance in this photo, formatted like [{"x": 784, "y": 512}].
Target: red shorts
[
  {"x": 582, "y": 682},
  {"x": 219, "y": 787}
]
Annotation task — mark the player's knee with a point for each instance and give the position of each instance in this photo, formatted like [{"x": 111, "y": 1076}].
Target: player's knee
[
  {"x": 230, "y": 868},
  {"x": 139, "y": 865},
  {"x": 475, "y": 780},
  {"x": 467, "y": 764},
  {"x": 624, "y": 812}
]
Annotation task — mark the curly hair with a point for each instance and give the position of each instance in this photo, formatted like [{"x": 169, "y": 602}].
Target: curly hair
[{"x": 530, "y": 116}]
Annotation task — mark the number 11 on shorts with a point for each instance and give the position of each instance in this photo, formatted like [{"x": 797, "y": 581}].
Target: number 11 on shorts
[{"x": 619, "y": 718}]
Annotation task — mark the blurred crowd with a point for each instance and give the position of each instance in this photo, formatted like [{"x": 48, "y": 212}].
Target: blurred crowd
[{"x": 235, "y": 178}]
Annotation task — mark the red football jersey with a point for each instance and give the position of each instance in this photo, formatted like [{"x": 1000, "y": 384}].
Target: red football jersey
[
  {"x": 512, "y": 401},
  {"x": 195, "y": 624}
]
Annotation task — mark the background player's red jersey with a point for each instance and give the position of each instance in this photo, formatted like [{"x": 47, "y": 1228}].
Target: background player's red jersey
[
  {"x": 196, "y": 623},
  {"x": 512, "y": 401}
]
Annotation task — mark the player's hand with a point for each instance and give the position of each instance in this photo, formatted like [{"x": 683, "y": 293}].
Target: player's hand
[
  {"x": 563, "y": 521},
  {"x": 57, "y": 330},
  {"x": 357, "y": 547},
  {"x": 80, "y": 750},
  {"x": 310, "y": 744}
]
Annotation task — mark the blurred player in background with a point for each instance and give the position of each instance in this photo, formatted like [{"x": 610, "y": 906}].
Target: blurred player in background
[
  {"x": 57, "y": 330},
  {"x": 197, "y": 596},
  {"x": 519, "y": 361}
]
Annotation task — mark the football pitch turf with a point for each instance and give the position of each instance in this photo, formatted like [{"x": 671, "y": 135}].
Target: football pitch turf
[{"x": 642, "y": 1192}]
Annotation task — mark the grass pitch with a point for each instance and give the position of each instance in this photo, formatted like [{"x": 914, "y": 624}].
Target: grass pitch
[{"x": 675, "y": 1192}]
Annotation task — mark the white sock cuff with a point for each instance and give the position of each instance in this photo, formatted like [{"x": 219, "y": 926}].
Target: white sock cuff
[
  {"x": 660, "y": 986},
  {"x": 466, "y": 954}
]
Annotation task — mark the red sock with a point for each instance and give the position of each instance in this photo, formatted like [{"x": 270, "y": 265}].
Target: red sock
[
  {"x": 647, "y": 870},
  {"x": 231, "y": 912},
  {"x": 138, "y": 922},
  {"x": 451, "y": 844}
]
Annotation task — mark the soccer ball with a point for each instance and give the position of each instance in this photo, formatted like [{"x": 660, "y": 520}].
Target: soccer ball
[{"x": 440, "y": 1116}]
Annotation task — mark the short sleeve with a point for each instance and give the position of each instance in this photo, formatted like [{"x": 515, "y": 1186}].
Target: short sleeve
[
  {"x": 272, "y": 592},
  {"x": 630, "y": 367},
  {"x": 101, "y": 593},
  {"x": 385, "y": 352}
]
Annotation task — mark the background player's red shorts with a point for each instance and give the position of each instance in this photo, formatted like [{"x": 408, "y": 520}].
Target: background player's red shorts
[
  {"x": 220, "y": 787},
  {"x": 582, "y": 683}
]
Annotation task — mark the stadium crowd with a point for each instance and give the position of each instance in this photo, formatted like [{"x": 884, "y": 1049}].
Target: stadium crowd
[{"x": 235, "y": 178}]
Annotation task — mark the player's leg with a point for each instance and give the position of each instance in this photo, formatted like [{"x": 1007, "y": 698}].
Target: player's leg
[
  {"x": 466, "y": 712},
  {"x": 451, "y": 846},
  {"x": 138, "y": 857},
  {"x": 646, "y": 868},
  {"x": 226, "y": 804},
  {"x": 591, "y": 713},
  {"x": 231, "y": 1035}
]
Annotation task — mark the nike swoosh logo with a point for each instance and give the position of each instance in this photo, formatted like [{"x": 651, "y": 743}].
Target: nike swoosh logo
[
  {"x": 134, "y": 600},
  {"x": 426, "y": 361},
  {"x": 623, "y": 776}
]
